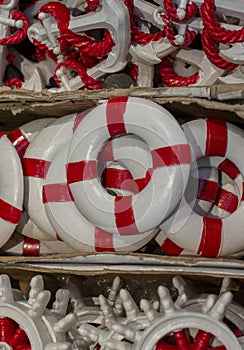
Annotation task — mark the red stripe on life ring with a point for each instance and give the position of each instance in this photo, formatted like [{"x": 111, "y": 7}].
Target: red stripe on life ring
[
  {"x": 107, "y": 152},
  {"x": 140, "y": 184},
  {"x": 31, "y": 247},
  {"x": 103, "y": 241},
  {"x": 229, "y": 168},
  {"x": 207, "y": 190},
  {"x": 227, "y": 200},
  {"x": 9, "y": 213},
  {"x": 35, "y": 167},
  {"x": 115, "y": 178},
  {"x": 171, "y": 155},
  {"x": 78, "y": 119},
  {"x": 211, "y": 237},
  {"x": 123, "y": 180},
  {"x": 115, "y": 110},
  {"x": 82, "y": 170},
  {"x": 217, "y": 137},
  {"x": 171, "y": 248},
  {"x": 56, "y": 193},
  {"x": 124, "y": 215},
  {"x": 19, "y": 141}
]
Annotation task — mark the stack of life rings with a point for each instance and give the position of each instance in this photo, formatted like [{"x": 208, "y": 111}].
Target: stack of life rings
[{"x": 115, "y": 177}]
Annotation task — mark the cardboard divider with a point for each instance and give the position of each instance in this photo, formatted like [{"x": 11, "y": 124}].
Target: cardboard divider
[{"x": 18, "y": 107}]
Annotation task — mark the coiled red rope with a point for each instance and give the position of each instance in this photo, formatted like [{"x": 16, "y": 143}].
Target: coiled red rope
[
  {"x": 85, "y": 44},
  {"x": 171, "y": 11},
  {"x": 89, "y": 46},
  {"x": 87, "y": 80},
  {"x": 87, "y": 61},
  {"x": 219, "y": 34},
  {"x": 190, "y": 35},
  {"x": 21, "y": 34},
  {"x": 171, "y": 78},
  {"x": 212, "y": 52},
  {"x": 138, "y": 36},
  {"x": 14, "y": 82},
  {"x": 42, "y": 50}
]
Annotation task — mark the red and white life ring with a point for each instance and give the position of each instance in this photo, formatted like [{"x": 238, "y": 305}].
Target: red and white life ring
[
  {"x": 203, "y": 188},
  {"x": 11, "y": 188},
  {"x": 230, "y": 186},
  {"x": 171, "y": 160},
  {"x": 36, "y": 162},
  {"x": 172, "y": 249},
  {"x": 22, "y": 136},
  {"x": 21, "y": 139},
  {"x": 200, "y": 234},
  {"x": 71, "y": 225}
]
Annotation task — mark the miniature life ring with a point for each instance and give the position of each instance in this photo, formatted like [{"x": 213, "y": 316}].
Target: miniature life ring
[
  {"x": 230, "y": 185},
  {"x": 21, "y": 138},
  {"x": 171, "y": 161},
  {"x": 69, "y": 222},
  {"x": 11, "y": 188},
  {"x": 203, "y": 235},
  {"x": 37, "y": 159}
]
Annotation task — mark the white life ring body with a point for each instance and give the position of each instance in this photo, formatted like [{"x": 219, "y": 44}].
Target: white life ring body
[
  {"x": 171, "y": 164},
  {"x": 200, "y": 234},
  {"x": 69, "y": 222},
  {"x": 21, "y": 139},
  {"x": 11, "y": 188},
  {"x": 36, "y": 161}
]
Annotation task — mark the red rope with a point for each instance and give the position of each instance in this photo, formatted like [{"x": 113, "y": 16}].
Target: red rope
[
  {"x": 171, "y": 78},
  {"x": 85, "y": 44},
  {"x": 14, "y": 82},
  {"x": 212, "y": 52},
  {"x": 21, "y": 34},
  {"x": 219, "y": 34},
  {"x": 87, "y": 80},
  {"x": 138, "y": 36},
  {"x": 171, "y": 11},
  {"x": 87, "y": 61},
  {"x": 58, "y": 11},
  {"x": 89, "y": 46},
  {"x": 190, "y": 35},
  {"x": 62, "y": 16},
  {"x": 42, "y": 50}
]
